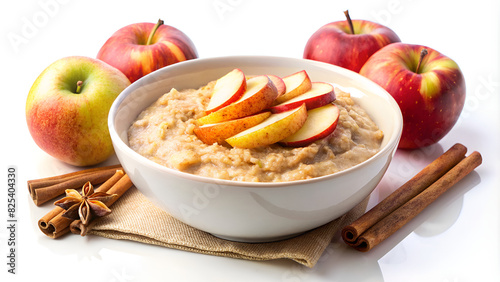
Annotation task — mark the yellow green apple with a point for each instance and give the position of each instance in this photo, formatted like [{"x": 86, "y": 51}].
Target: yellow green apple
[{"x": 67, "y": 109}]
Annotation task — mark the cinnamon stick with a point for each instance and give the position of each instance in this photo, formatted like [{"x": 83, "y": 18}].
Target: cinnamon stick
[
  {"x": 45, "y": 189},
  {"x": 47, "y": 181},
  {"x": 389, "y": 224},
  {"x": 54, "y": 224},
  {"x": 77, "y": 227},
  {"x": 410, "y": 189}
]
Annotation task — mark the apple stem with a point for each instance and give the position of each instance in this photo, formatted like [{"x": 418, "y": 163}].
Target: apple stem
[
  {"x": 78, "y": 87},
  {"x": 349, "y": 21},
  {"x": 422, "y": 55},
  {"x": 150, "y": 38}
]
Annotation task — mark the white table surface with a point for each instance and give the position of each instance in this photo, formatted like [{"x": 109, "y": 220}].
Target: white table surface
[{"x": 455, "y": 239}]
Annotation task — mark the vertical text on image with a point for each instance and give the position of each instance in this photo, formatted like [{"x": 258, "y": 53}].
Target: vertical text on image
[{"x": 11, "y": 220}]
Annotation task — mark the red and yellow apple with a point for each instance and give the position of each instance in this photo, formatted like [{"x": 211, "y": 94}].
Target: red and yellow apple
[
  {"x": 348, "y": 43},
  {"x": 67, "y": 109},
  {"x": 141, "y": 48},
  {"x": 428, "y": 86}
]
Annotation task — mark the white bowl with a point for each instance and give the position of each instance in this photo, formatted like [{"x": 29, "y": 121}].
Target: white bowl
[{"x": 253, "y": 212}]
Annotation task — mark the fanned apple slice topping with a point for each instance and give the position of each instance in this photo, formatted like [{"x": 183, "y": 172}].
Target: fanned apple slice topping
[
  {"x": 291, "y": 111},
  {"x": 259, "y": 95}
]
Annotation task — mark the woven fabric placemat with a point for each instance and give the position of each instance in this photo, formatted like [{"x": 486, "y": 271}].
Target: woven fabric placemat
[{"x": 137, "y": 219}]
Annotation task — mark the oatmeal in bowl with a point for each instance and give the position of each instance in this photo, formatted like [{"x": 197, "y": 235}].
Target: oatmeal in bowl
[
  {"x": 165, "y": 133},
  {"x": 265, "y": 181}
]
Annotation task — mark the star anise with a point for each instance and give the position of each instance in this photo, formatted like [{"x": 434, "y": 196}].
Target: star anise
[{"x": 86, "y": 205}]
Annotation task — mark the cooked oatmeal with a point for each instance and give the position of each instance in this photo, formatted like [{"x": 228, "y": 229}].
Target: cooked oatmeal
[{"x": 164, "y": 134}]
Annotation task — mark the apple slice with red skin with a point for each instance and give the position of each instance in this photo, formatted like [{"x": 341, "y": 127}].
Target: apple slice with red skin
[
  {"x": 259, "y": 96},
  {"x": 275, "y": 128},
  {"x": 295, "y": 84},
  {"x": 227, "y": 89},
  {"x": 321, "y": 93},
  {"x": 279, "y": 83},
  {"x": 320, "y": 123},
  {"x": 219, "y": 132}
]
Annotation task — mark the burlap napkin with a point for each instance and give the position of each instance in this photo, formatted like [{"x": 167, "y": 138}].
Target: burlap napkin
[{"x": 135, "y": 218}]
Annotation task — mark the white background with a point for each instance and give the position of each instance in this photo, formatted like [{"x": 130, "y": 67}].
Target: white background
[{"x": 455, "y": 239}]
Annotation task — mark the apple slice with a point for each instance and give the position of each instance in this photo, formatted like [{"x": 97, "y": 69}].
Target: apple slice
[
  {"x": 227, "y": 89},
  {"x": 275, "y": 128},
  {"x": 279, "y": 83},
  {"x": 295, "y": 84},
  {"x": 259, "y": 95},
  {"x": 219, "y": 132},
  {"x": 320, "y": 123},
  {"x": 321, "y": 93}
]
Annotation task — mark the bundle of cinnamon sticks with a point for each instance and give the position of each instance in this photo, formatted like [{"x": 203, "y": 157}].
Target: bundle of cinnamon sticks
[
  {"x": 410, "y": 199},
  {"x": 112, "y": 180}
]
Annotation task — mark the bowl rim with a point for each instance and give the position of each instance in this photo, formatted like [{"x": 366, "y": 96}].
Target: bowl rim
[{"x": 118, "y": 142}]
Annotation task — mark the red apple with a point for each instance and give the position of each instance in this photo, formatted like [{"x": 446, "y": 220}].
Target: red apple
[
  {"x": 320, "y": 123},
  {"x": 141, "y": 48},
  {"x": 67, "y": 109},
  {"x": 320, "y": 94},
  {"x": 348, "y": 44},
  {"x": 428, "y": 86},
  {"x": 227, "y": 89}
]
